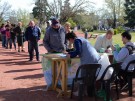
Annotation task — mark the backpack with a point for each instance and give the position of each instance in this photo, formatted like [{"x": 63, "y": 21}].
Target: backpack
[
  {"x": 131, "y": 49},
  {"x": 131, "y": 57}
]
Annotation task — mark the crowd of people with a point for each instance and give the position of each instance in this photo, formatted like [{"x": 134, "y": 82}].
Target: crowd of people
[
  {"x": 12, "y": 34},
  {"x": 16, "y": 34}
]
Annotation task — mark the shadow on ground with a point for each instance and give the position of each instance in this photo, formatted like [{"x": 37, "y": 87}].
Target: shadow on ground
[
  {"x": 35, "y": 76},
  {"x": 22, "y": 70}
]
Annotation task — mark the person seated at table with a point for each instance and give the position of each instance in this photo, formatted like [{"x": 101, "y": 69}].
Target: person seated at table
[
  {"x": 126, "y": 50},
  {"x": 104, "y": 41},
  {"x": 83, "y": 49},
  {"x": 126, "y": 54},
  {"x": 87, "y": 54}
]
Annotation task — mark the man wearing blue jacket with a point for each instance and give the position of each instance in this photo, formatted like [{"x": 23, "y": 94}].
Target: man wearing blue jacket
[{"x": 32, "y": 35}]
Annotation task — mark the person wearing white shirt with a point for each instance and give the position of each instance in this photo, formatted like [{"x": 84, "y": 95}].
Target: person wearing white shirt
[{"x": 104, "y": 41}]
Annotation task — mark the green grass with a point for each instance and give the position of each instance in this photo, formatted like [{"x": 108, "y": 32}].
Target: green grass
[{"x": 116, "y": 38}]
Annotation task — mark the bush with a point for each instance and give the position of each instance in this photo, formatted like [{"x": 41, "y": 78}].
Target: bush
[
  {"x": 120, "y": 29},
  {"x": 115, "y": 31},
  {"x": 73, "y": 24}
]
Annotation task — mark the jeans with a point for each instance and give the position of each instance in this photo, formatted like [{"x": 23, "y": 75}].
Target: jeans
[
  {"x": 8, "y": 42},
  {"x": 13, "y": 40},
  {"x": 33, "y": 45},
  {"x": 3, "y": 40}
]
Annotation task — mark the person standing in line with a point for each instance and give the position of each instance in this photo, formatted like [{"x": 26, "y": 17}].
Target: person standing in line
[
  {"x": 54, "y": 39},
  {"x": 8, "y": 37},
  {"x": 13, "y": 35},
  {"x": 19, "y": 33},
  {"x": 32, "y": 35},
  {"x": 3, "y": 35}
]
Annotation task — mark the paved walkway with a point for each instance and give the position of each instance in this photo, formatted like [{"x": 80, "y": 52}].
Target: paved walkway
[{"x": 21, "y": 80}]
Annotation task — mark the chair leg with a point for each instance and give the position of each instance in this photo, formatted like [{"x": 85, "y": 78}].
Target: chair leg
[
  {"x": 117, "y": 91},
  {"x": 94, "y": 90},
  {"x": 130, "y": 84},
  {"x": 90, "y": 90},
  {"x": 81, "y": 86},
  {"x": 107, "y": 85},
  {"x": 72, "y": 88}
]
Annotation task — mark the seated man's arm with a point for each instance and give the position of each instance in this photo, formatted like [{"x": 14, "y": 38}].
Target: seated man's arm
[{"x": 120, "y": 56}]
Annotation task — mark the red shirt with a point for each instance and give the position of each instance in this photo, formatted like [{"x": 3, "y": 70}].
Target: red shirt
[{"x": 7, "y": 34}]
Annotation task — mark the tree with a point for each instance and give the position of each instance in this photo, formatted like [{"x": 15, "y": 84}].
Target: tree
[
  {"x": 23, "y": 16},
  {"x": 62, "y": 8},
  {"x": 19, "y": 15},
  {"x": 130, "y": 13},
  {"x": 13, "y": 17},
  {"x": 4, "y": 9},
  {"x": 115, "y": 9},
  {"x": 41, "y": 12}
]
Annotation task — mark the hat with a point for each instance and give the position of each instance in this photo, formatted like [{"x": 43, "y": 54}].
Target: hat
[{"x": 55, "y": 22}]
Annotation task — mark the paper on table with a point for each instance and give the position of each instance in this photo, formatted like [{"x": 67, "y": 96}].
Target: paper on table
[{"x": 61, "y": 55}]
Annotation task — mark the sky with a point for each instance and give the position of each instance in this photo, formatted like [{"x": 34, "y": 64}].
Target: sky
[
  {"x": 29, "y": 4},
  {"x": 21, "y": 4}
]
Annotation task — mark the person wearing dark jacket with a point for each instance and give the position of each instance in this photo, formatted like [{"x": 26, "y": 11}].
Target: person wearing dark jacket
[
  {"x": 19, "y": 33},
  {"x": 13, "y": 35},
  {"x": 32, "y": 35},
  {"x": 54, "y": 39}
]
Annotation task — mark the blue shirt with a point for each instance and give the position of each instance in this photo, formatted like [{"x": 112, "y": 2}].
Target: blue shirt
[
  {"x": 32, "y": 34},
  {"x": 77, "y": 45},
  {"x": 85, "y": 51}
]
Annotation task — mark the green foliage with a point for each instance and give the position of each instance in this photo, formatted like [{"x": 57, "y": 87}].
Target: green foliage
[
  {"x": 43, "y": 30},
  {"x": 130, "y": 13},
  {"x": 73, "y": 24},
  {"x": 23, "y": 16},
  {"x": 115, "y": 31},
  {"x": 120, "y": 29},
  {"x": 41, "y": 12}
]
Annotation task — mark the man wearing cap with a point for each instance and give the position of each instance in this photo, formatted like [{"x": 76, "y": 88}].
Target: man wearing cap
[{"x": 54, "y": 39}]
